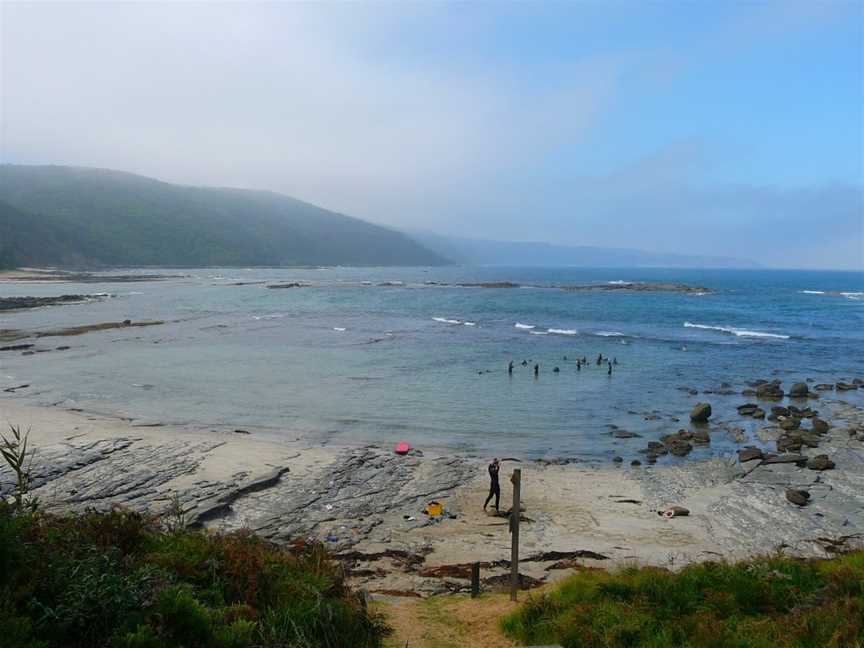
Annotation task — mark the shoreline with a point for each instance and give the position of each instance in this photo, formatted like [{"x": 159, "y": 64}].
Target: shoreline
[{"x": 365, "y": 503}]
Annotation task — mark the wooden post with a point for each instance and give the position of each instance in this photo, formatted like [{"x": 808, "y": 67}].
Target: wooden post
[
  {"x": 475, "y": 580},
  {"x": 514, "y": 531}
]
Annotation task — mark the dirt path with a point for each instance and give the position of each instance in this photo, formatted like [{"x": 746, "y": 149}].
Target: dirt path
[{"x": 448, "y": 621}]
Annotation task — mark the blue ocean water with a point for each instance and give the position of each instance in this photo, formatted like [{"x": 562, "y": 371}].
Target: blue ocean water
[{"x": 348, "y": 360}]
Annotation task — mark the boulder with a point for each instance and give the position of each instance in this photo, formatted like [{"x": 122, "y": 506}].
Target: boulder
[
  {"x": 747, "y": 409},
  {"x": 841, "y": 386},
  {"x": 787, "y": 444},
  {"x": 749, "y": 454},
  {"x": 770, "y": 390},
  {"x": 635, "y": 462},
  {"x": 701, "y": 412},
  {"x": 624, "y": 434},
  {"x": 820, "y": 462},
  {"x": 824, "y": 387},
  {"x": 820, "y": 426},
  {"x": 778, "y": 410},
  {"x": 789, "y": 423},
  {"x": 798, "y": 497},
  {"x": 701, "y": 436},
  {"x": 618, "y": 459},
  {"x": 680, "y": 448},
  {"x": 748, "y": 392},
  {"x": 759, "y": 413},
  {"x": 798, "y": 390}
]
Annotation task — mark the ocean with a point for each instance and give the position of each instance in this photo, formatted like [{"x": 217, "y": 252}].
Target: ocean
[{"x": 378, "y": 355}]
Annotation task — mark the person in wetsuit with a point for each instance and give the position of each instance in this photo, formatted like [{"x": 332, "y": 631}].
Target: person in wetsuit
[{"x": 494, "y": 486}]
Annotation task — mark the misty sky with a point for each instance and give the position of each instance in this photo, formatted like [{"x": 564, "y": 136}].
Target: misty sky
[{"x": 725, "y": 128}]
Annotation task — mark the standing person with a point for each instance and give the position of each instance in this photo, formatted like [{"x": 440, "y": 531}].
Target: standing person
[
  {"x": 610, "y": 368},
  {"x": 578, "y": 365},
  {"x": 494, "y": 486},
  {"x": 536, "y": 370},
  {"x": 510, "y": 368}
]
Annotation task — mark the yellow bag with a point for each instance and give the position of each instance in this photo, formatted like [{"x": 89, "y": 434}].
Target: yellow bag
[{"x": 434, "y": 509}]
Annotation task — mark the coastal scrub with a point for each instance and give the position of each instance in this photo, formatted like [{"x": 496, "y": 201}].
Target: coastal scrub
[
  {"x": 122, "y": 580},
  {"x": 766, "y": 602}
]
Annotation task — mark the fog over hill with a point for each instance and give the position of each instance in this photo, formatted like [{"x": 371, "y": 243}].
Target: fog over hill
[
  {"x": 484, "y": 252},
  {"x": 83, "y": 217}
]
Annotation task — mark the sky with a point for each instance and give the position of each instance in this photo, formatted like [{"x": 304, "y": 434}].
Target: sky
[{"x": 726, "y": 129}]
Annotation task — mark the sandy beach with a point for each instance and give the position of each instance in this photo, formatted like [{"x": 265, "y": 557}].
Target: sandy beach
[{"x": 366, "y": 503}]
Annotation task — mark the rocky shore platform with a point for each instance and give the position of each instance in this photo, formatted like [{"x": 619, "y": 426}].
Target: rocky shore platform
[{"x": 367, "y": 504}]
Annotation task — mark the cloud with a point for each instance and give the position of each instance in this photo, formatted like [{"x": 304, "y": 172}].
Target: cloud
[{"x": 422, "y": 115}]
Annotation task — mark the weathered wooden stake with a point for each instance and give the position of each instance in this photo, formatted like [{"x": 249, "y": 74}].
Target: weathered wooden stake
[
  {"x": 514, "y": 531},
  {"x": 475, "y": 580}
]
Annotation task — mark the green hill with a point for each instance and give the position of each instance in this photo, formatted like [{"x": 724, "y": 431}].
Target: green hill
[{"x": 78, "y": 217}]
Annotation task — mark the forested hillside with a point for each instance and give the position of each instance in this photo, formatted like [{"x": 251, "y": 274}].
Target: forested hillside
[{"x": 92, "y": 217}]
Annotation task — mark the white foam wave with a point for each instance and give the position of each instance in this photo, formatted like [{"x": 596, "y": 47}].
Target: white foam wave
[
  {"x": 526, "y": 327},
  {"x": 445, "y": 320},
  {"x": 610, "y": 334},
  {"x": 812, "y": 292},
  {"x": 339, "y": 328},
  {"x": 736, "y": 331},
  {"x": 853, "y": 295},
  {"x": 538, "y": 332},
  {"x": 554, "y": 331},
  {"x": 470, "y": 323}
]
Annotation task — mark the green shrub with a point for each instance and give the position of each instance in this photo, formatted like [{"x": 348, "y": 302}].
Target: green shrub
[{"x": 184, "y": 619}]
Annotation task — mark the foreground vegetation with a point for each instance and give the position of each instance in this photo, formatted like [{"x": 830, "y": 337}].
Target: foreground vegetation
[
  {"x": 123, "y": 580},
  {"x": 777, "y": 602}
]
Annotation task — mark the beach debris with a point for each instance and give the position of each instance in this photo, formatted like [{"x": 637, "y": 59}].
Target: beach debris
[
  {"x": 241, "y": 431},
  {"x": 434, "y": 509},
  {"x": 797, "y": 497},
  {"x": 14, "y": 389},
  {"x": 402, "y": 448},
  {"x": 749, "y": 454},
  {"x": 701, "y": 413},
  {"x": 674, "y": 511}
]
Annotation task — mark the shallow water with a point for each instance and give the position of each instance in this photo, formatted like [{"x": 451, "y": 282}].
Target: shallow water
[{"x": 352, "y": 363}]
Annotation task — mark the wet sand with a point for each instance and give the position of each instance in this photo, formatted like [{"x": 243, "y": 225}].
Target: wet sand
[{"x": 366, "y": 503}]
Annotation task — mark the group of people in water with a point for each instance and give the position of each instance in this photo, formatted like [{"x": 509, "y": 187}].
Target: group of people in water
[{"x": 580, "y": 362}]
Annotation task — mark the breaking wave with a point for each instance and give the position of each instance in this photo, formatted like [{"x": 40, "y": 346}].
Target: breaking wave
[
  {"x": 555, "y": 331},
  {"x": 526, "y": 327},
  {"x": 736, "y": 331}
]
